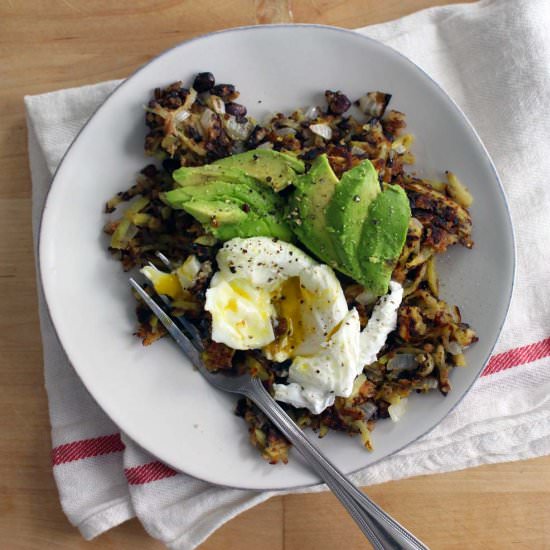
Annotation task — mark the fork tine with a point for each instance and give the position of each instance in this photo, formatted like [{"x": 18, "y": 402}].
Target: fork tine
[
  {"x": 164, "y": 259},
  {"x": 191, "y": 329},
  {"x": 180, "y": 338}
]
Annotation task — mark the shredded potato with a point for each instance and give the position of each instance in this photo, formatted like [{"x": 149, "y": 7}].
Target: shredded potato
[
  {"x": 190, "y": 129},
  {"x": 458, "y": 191}
]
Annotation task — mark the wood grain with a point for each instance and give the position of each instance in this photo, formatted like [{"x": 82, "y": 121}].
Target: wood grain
[{"x": 51, "y": 44}]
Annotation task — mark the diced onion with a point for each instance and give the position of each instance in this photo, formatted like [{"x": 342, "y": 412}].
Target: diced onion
[
  {"x": 369, "y": 409},
  {"x": 281, "y": 132},
  {"x": 397, "y": 410},
  {"x": 454, "y": 348},
  {"x": 399, "y": 149},
  {"x": 357, "y": 150},
  {"x": 374, "y": 103},
  {"x": 323, "y": 130},
  {"x": 265, "y": 145},
  {"x": 216, "y": 104},
  {"x": 182, "y": 115},
  {"x": 206, "y": 118},
  {"x": 237, "y": 130},
  {"x": 401, "y": 362},
  {"x": 311, "y": 113},
  {"x": 430, "y": 383}
]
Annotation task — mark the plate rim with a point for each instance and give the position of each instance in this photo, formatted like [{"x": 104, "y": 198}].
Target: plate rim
[{"x": 351, "y": 32}]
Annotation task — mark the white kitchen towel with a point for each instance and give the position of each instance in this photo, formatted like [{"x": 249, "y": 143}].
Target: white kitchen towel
[{"x": 493, "y": 58}]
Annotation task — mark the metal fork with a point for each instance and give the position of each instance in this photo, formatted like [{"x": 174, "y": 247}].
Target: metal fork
[{"x": 381, "y": 529}]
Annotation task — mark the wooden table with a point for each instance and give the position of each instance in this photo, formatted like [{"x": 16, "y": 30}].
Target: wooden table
[{"x": 51, "y": 44}]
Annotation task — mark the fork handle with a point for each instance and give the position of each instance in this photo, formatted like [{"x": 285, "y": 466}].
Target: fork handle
[{"x": 382, "y": 530}]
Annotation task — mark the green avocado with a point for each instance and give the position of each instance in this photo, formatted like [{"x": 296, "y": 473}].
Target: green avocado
[
  {"x": 273, "y": 169},
  {"x": 196, "y": 175},
  {"x": 254, "y": 226},
  {"x": 348, "y": 210},
  {"x": 258, "y": 198},
  {"x": 215, "y": 212},
  {"x": 307, "y": 210},
  {"x": 228, "y": 210},
  {"x": 227, "y": 221},
  {"x": 382, "y": 238},
  {"x": 351, "y": 224}
]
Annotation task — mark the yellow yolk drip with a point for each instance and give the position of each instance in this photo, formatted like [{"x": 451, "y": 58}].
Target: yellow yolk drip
[
  {"x": 168, "y": 284},
  {"x": 288, "y": 304}
]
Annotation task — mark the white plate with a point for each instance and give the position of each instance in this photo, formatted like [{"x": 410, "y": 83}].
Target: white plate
[{"x": 152, "y": 393}]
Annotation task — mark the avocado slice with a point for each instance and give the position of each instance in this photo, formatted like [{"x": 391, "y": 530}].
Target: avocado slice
[
  {"x": 196, "y": 175},
  {"x": 228, "y": 210},
  {"x": 271, "y": 168},
  {"x": 215, "y": 213},
  {"x": 347, "y": 211},
  {"x": 254, "y": 226},
  {"x": 382, "y": 238},
  {"x": 258, "y": 198},
  {"x": 228, "y": 220},
  {"x": 307, "y": 210}
]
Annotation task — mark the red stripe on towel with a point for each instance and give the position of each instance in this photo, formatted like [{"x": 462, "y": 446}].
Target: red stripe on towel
[
  {"x": 145, "y": 473},
  {"x": 518, "y": 356},
  {"x": 87, "y": 448}
]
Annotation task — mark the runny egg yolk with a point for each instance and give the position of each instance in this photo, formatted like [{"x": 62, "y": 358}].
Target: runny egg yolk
[
  {"x": 175, "y": 283},
  {"x": 288, "y": 303},
  {"x": 269, "y": 295},
  {"x": 168, "y": 284}
]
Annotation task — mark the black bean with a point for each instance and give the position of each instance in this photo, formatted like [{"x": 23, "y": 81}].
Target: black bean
[
  {"x": 150, "y": 171},
  {"x": 256, "y": 137},
  {"x": 312, "y": 154},
  {"x": 235, "y": 109},
  {"x": 170, "y": 164},
  {"x": 204, "y": 82},
  {"x": 173, "y": 102},
  {"x": 338, "y": 103},
  {"x": 225, "y": 91},
  {"x": 194, "y": 134}
]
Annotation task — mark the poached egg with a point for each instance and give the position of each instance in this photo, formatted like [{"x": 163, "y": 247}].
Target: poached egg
[{"x": 270, "y": 295}]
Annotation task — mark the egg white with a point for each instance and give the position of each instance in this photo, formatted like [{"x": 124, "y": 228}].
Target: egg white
[
  {"x": 262, "y": 282},
  {"x": 251, "y": 279}
]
